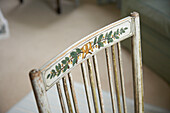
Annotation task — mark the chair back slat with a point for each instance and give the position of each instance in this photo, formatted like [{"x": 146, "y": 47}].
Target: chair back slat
[
  {"x": 110, "y": 77},
  {"x": 68, "y": 99},
  {"x": 73, "y": 93},
  {"x": 63, "y": 106},
  {"x": 116, "y": 78},
  {"x": 87, "y": 90},
  {"x": 92, "y": 84},
  {"x": 121, "y": 77},
  {"x": 98, "y": 82}
]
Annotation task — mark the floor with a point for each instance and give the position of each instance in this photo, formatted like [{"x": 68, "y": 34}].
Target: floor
[{"x": 37, "y": 34}]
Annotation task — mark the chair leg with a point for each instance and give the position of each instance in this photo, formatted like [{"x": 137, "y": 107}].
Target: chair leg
[
  {"x": 77, "y": 2},
  {"x": 21, "y": 1},
  {"x": 58, "y": 9}
]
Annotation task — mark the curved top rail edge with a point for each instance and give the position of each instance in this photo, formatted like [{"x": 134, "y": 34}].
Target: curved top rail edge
[{"x": 81, "y": 50}]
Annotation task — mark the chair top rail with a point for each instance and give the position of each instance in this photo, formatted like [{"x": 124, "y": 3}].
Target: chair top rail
[{"x": 88, "y": 46}]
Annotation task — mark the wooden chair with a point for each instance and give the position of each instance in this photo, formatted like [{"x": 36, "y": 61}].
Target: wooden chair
[{"x": 58, "y": 70}]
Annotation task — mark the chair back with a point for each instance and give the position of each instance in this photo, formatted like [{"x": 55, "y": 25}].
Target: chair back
[{"x": 58, "y": 70}]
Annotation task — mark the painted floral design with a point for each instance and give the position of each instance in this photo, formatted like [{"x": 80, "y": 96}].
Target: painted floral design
[{"x": 84, "y": 51}]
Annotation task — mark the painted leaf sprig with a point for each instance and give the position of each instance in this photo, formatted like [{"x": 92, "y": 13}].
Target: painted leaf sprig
[{"x": 98, "y": 42}]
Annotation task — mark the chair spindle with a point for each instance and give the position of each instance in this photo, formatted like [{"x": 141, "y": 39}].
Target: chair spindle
[
  {"x": 98, "y": 82},
  {"x": 63, "y": 107},
  {"x": 121, "y": 77},
  {"x": 116, "y": 78},
  {"x": 92, "y": 82},
  {"x": 73, "y": 93},
  {"x": 110, "y": 80},
  {"x": 67, "y": 95},
  {"x": 84, "y": 74}
]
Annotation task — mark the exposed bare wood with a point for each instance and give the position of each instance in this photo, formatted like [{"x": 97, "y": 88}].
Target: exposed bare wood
[
  {"x": 110, "y": 80},
  {"x": 122, "y": 77},
  {"x": 92, "y": 86},
  {"x": 86, "y": 86},
  {"x": 73, "y": 92},
  {"x": 137, "y": 65},
  {"x": 116, "y": 78},
  {"x": 63, "y": 107},
  {"x": 96, "y": 69},
  {"x": 67, "y": 95},
  {"x": 39, "y": 91}
]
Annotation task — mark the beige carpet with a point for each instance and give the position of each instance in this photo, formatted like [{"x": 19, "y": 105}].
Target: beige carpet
[{"x": 37, "y": 34}]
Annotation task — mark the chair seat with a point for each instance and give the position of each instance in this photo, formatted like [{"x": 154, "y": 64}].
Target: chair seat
[{"x": 28, "y": 104}]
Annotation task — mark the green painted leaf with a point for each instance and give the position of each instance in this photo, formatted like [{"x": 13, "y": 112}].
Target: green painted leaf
[
  {"x": 125, "y": 28},
  {"x": 116, "y": 37},
  {"x": 74, "y": 61},
  {"x": 78, "y": 50},
  {"x": 58, "y": 73},
  {"x": 73, "y": 54},
  {"x": 110, "y": 40},
  {"x": 100, "y": 44},
  {"x": 117, "y": 31},
  {"x": 53, "y": 71},
  {"x": 106, "y": 35},
  {"x": 51, "y": 76},
  {"x": 64, "y": 61},
  {"x": 65, "y": 68},
  {"x": 48, "y": 76},
  {"x": 121, "y": 30},
  {"x": 100, "y": 37},
  {"x": 59, "y": 66},
  {"x": 95, "y": 40},
  {"x": 110, "y": 34},
  {"x": 114, "y": 34},
  {"x": 67, "y": 58}
]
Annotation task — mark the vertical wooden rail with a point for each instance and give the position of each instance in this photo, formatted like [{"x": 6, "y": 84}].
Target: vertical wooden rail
[
  {"x": 110, "y": 80},
  {"x": 92, "y": 86},
  {"x": 73, "y": 93},
  {"x": 84, "y": 74},
  {"x": 39, "y": 91},
  {"x": 67, "y": 95},
  {"x": 96, "y": 69},
  {"x": 58, "y": 4},
  {"x": 61, "y": 97},
  {"x": 137, "y": 65},
  {"x": 122, "y": 77},
  {"x": 116, "y": 78}
]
